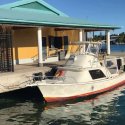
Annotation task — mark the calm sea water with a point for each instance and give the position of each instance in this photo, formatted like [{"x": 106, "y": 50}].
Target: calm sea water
[
  {"x": 25, "y": 107},
  {"x": 118, "y": 48}
]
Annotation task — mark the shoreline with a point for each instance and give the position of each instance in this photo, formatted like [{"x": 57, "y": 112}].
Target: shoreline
[
  {"x": 117, "y": 53},
  {"x": 118, "y": 44}
]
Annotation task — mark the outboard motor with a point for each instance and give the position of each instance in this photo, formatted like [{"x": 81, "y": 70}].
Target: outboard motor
[
  {"x": 38, "y": 76},
  {"x": 51, "y": 73}
]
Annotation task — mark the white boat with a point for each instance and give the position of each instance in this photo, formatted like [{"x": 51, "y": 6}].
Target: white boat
[{"x": 84, "y": 74}]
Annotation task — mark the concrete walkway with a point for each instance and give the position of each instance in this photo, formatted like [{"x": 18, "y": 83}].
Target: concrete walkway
[
  {"x": 22, "y": 76},
  {"x": 121, "y": 54}
]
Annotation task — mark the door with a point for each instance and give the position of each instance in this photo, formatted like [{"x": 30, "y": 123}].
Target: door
[
  {"x": 44, "y": 49},
  {"x": 66, "y": 43}
]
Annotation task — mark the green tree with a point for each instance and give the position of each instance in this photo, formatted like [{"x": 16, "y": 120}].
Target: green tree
[{"x": 121, "y": 38}]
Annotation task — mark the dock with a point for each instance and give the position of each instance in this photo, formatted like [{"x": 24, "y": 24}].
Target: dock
[{"x": 22, "y": 76}]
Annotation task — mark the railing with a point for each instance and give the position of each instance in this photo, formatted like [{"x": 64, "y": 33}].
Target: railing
[
  {"x": 53, "y": 52},
  {"x": 87, "y": 47}
]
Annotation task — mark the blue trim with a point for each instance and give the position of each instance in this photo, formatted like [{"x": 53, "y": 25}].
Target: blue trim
[{"x": 57, "y": 24}]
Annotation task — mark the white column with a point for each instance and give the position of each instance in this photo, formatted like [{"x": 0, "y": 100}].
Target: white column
[
  {"x": 108, "y": 42},
  {"x": 81, "y": 35},
  {"x": 82, "y": 38},
  {"x": 40, "y": 55}
]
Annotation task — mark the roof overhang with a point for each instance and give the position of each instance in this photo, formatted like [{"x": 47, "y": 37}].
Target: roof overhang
[{"x": 13, "y": 17}]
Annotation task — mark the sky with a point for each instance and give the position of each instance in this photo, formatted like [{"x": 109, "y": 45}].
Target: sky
[{"x": 94, "y": 11}]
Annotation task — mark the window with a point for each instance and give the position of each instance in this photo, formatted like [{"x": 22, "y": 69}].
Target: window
[
  {"x": 55, "y": 42},
  {"x": 111, "y": 64},
  {"x": 58, "y": 42},
  {"x": 96, "y": 74},
  {"x": 66, "y": 42},
  {"x": 44, "y": 50},
  {"x": 51, "y": 42}
]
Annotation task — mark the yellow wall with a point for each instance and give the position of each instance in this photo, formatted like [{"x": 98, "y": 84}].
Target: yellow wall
[
  {"x": 48, "y": 32},
  {"x": 73, "y": 36},
  {"x": 25, "y": 43}
]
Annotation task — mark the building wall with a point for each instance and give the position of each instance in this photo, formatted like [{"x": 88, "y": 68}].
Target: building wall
[
  {"x": 25, "y": 45},
  {"x": 73, "y": 36},
  {"x": 48, "y": 32}
]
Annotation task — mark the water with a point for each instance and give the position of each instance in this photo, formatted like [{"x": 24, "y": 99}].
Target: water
[
  {"x": 118, "y": 48},
  {"x": 24, "y": 108}
]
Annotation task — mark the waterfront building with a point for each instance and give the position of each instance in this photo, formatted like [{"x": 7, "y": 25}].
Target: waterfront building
[{"x": 34, "y": 31}]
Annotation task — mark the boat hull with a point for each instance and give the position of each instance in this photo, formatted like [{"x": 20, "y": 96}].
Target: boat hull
[{"x": 61, "y": 92}]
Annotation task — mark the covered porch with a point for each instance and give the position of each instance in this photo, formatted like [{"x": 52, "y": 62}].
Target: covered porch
[
  {"x": 38, "y": 33},
  {"x": 41, "y": 44}
]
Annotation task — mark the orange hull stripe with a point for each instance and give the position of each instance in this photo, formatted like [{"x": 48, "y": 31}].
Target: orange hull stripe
[{"x": 54, "y": 99}]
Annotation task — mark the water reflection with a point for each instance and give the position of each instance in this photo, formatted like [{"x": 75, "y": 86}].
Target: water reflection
[{"x": 106, "y": 109}]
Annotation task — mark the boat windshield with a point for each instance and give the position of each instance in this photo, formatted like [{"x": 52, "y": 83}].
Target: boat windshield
[
  {"x": 103, "y": 48},
  {"x": 111, "y": 64},
  {"x": 93, "y": 48},
  {"x": 88, "y": 47}
]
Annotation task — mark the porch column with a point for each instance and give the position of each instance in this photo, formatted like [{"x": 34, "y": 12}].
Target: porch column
[
  {"x": 40, "y": 55},
  {"x": 108, "y": 42},
  {"x": 82, "y": 38},
  {"x": 81, "y": 35}
]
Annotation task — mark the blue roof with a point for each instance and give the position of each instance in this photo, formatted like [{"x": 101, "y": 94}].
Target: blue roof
[
  {"x": 33, "y": 5},
  {"x": 40, "y": 19},
  {"x": 39, "y": 13}
]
